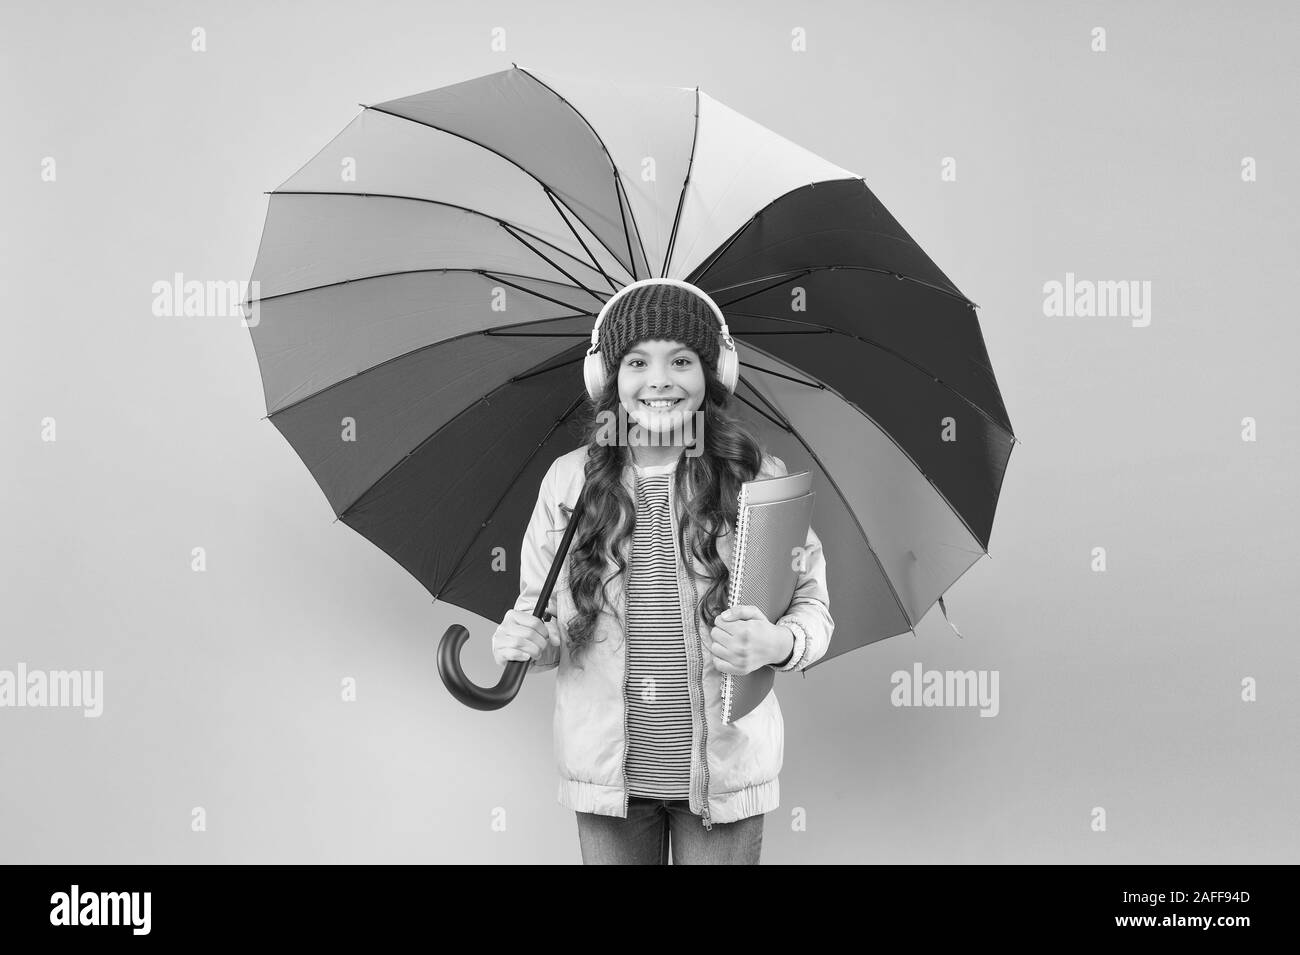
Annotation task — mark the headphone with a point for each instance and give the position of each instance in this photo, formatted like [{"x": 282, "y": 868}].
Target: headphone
[{"x": 593, "y": 366}]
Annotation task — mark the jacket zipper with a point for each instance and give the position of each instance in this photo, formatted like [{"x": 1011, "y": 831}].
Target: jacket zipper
[
  {"x": 627, "y": 793},
  {"x": 699, "y": 663},
  {"x": 704, "y": 720}
]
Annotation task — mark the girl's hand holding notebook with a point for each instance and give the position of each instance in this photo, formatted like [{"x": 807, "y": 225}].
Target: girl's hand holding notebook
[{"x": 745, "y": 640}]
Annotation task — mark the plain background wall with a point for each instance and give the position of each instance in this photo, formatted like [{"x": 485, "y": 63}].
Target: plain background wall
[{"x": 1120, "y": 690}]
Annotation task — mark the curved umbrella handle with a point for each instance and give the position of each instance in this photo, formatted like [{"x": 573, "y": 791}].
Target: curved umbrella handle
[
  {"x": 512, "y": 680},
  {"x": 459, "y": 685}
]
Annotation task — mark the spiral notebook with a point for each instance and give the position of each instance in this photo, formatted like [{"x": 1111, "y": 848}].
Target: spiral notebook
[{"x": 773, "y": 517}]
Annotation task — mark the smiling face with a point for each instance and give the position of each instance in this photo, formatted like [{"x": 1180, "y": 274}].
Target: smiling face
[{"x": 660, "y": 370}]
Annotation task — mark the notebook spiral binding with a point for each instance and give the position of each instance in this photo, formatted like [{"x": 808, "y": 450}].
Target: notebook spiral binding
[{"x": 733, "y": 594}]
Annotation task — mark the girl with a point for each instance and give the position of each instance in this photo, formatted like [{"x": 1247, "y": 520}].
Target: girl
[{"x": 638, "y": 628}]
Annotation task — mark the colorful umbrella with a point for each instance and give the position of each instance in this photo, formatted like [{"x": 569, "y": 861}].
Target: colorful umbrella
[{"x": 427, "y": 283}]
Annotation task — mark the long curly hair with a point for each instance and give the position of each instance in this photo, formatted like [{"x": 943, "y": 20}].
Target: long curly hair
[{"x": 708, "y": 480}]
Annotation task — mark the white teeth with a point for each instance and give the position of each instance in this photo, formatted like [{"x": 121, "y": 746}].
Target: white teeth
[{"x": 661, "y": 403}]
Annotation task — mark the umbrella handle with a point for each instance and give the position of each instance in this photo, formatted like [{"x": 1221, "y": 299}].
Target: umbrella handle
[
  {"x": 512, "y": 680},
  {"x": 459, "y": 685}
]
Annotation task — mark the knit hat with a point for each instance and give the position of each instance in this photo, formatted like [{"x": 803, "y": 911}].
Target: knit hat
[{"x": 659, "y": 311}]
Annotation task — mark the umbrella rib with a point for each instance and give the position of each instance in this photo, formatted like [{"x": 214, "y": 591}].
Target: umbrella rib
[
  {"x": 535, "y": 294},
  {"x": 496, "y": 334},
  {"x": 698, "y": 274},
  {"x": 553, "y": 265},
  {"x": 613, "y": 167},
  {"x": 436, "y": 202},
  {"x": 510, "y": 486},
  {"x": 681, "y": 199},
  {"x": 785, "y": 422},
  {"x": 624, "y": 214},
  {"x": 560, "y": 212},
  {"x": 775, "y": 280},
  {"x": 636, "y": 226},
  {"x": 542, "y": 371},
  {"x": 440, "y": 342},
  {"x": 777, "y": 374},
  {"x": 419, "y": 272},
  {"x": 828, "y": 329},
  {"x": 514, "y": 163},
  {"x": 769, "y": 331},
  {"x": 784, "y": 426},
  {"x": 798, "y": 273}
]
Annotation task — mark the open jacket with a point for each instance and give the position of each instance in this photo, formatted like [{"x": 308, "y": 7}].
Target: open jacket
[{"x": 734, "y": 773}]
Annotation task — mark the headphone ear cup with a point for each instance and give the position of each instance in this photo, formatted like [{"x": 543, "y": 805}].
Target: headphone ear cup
[
  {"x": 729, "y": 368},
  {"x": 593, "y": 375}
]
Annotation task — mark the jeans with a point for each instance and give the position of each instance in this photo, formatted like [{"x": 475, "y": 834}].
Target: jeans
[{"x": 643, "y": 838}]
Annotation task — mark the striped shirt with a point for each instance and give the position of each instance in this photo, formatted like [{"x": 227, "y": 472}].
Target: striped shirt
[{"x": 659, "y": 700}]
